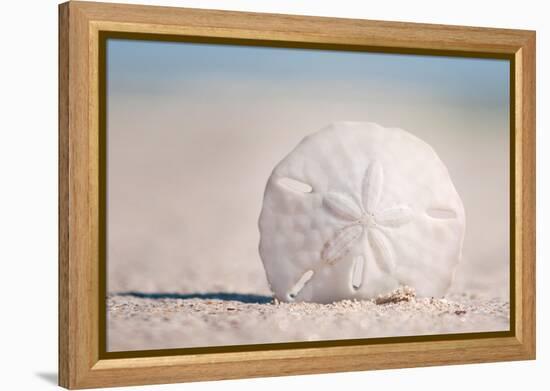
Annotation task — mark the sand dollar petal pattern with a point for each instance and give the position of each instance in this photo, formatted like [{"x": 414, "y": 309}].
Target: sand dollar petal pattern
[
  {"x": 395, "y": 216},
  {"x": 342, "y": 206},
  {"x": 382, "y": 249},
  {"x": 372, "y": 186},
  {"x": 339, "y": 245},
  {"x": 365, "y": 228}
]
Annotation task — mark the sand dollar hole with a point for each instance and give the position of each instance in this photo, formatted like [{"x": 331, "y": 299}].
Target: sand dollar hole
[
  {"x": 295, "y": 290},
  {"x": 357, "y": 274},
  {"x": 441, "y": 213},
  {"x": 295, "y": 185}
]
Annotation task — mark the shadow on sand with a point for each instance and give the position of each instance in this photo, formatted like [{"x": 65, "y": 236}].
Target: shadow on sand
[{"x": 243, "y": 298}]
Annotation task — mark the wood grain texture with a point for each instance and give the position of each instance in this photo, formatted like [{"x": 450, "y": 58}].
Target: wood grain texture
[
  {"x": 78, "y": 283},
  {"x": 64, "y": 353},
  {"x": 527, "y": 186},
  {"x": 80, "y": 24}
]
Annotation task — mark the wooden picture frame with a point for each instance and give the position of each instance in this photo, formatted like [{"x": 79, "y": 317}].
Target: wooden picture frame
[{"x": 82, "y": 360}]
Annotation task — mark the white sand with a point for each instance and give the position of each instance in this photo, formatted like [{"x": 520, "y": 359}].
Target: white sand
[{"x": 138, "y": 323}]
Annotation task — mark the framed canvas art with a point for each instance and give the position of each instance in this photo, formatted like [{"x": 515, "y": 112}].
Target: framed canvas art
[{"x": 251, "y": 194}]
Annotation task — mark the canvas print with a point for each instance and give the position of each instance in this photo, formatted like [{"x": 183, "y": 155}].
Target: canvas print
[{"x": 268, "y": 195}]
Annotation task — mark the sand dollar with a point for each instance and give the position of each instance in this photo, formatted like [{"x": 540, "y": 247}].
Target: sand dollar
[{"x": 356, "y": 210}]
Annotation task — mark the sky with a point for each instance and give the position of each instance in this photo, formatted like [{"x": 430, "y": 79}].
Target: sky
[
  {"x": 167, "y": 67},
  {"x": 194, "y": 130}
]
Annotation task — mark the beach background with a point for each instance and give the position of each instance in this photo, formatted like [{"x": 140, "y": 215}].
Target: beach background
[{"x": 194, "y": 130}]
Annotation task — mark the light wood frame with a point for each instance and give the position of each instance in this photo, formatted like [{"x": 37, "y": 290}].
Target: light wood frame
[{"x": 81, "y": 364}]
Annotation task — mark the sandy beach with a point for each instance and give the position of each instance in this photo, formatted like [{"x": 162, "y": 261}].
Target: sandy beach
[{"x": 164, "y": 321}]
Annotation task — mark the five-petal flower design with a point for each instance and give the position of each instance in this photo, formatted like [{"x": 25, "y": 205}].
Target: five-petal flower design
[{"x": 364, "y": 221}]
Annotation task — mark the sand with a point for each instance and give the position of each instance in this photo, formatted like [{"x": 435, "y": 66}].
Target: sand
[{"x": 165, "y": 321}]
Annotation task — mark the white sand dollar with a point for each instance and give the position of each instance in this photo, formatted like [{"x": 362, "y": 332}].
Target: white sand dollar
[{"x": 356, "y": 210}]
